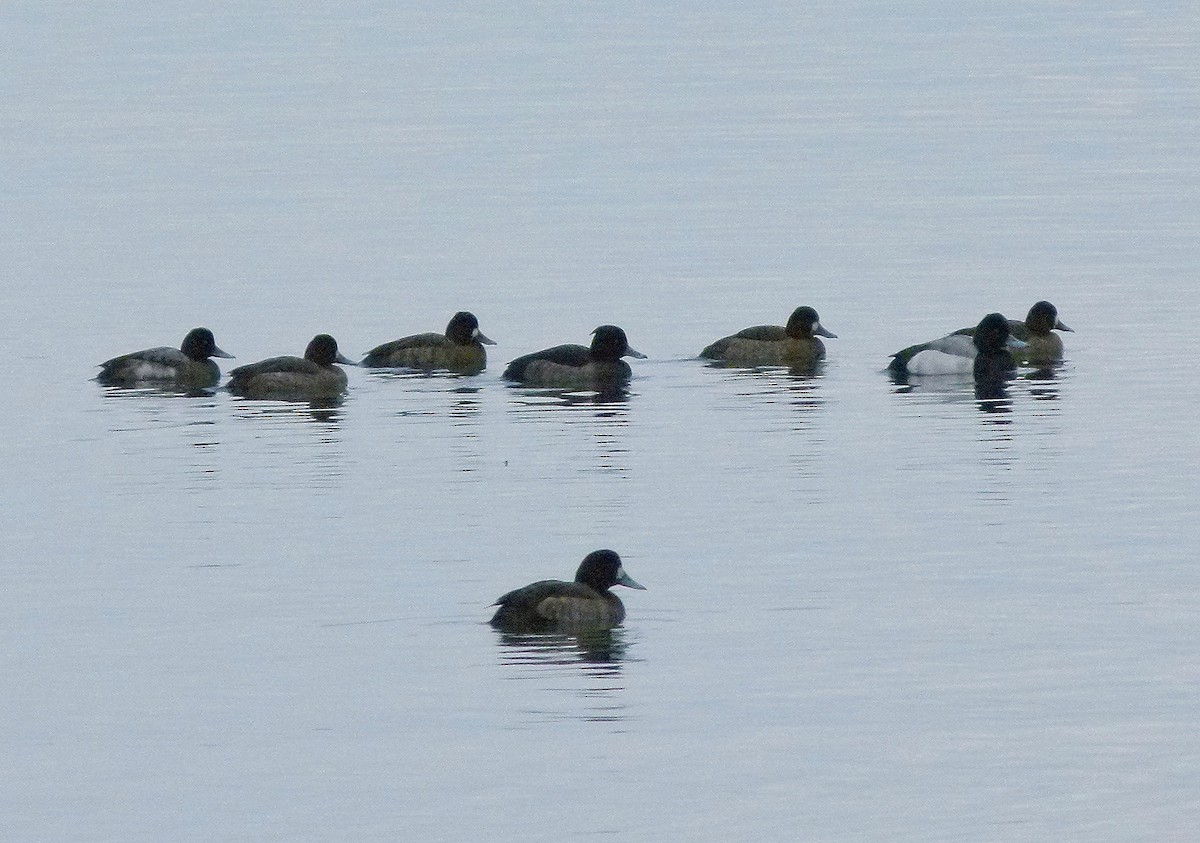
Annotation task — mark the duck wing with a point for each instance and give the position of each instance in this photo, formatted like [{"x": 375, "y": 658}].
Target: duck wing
[
  {"x": 430, "y": 340},
  {"x": 563, "y": 355},
  {"x": 163, "y": 356},
  {"x": 763, "y": 333},
  {"x": 291, "y": 365}
]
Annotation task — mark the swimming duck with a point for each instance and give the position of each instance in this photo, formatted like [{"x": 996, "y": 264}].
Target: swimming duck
[
  {"x": 460, "y": 349},
  {"x": 1042, "y": 345},
  {"x": 795, "y": 345},
  {"x": 554, "y": 605},
  {"x": 307, "y": 377},
  {"x": 186, "y": 366},
  {"x": 578, "y": 367},
  {"x": 984, "y": 352}
]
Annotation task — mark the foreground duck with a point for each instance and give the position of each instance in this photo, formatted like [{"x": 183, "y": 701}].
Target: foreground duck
[
  {"x": 576, "y": 366},
  {"x": 313, "y": 376},
  {"x": 985, "y": 352},
  {"x": 557, "y": 606},
  {"x": 459, "y": 349},
  {"x": 795, "y": 345},
  {"x": 187, "y": 366}
]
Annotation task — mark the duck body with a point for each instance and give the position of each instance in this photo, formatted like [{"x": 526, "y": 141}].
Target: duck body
[
  {"x": 558, "y": 606},
  {"x": 983, "y": 353},
  {"x": 187, "y": 366},
  {"x": 796, "y": 344},
  {"x": 578, "y": 367},
  {"x": 459, "y": 349},
  {"x": 953, "y": 354},
  {"x": 294, "y": 378}
]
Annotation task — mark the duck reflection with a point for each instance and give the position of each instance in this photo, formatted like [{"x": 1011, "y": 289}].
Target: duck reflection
[
  {"x": 604, "y": 416},
  {"x": 997, "y": 409},
  {"x": 464, "y": 404},
  {"x": 951, "y": 389},
  {"x": 323, "y": 410},
  {"x": 160, "y": 390},
  {"x": 993, "y": 391},
  {"x": 459, "y": 404},
  {"x": 798, "y": 388},
  {"x": 593, "y": 658},
  {"x": 602, "y": 647},
  {"x": 525, "y": 397},
  {"x": 1046, "y": 380}
]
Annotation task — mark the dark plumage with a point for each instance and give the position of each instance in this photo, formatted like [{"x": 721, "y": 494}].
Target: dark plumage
[
  {"x": 186, "y": 366},
  {"x": 982, "y": 350},
  {"x": 577, "y": 367},
  {"x": 460, "y": 349},
  {"x": 795, "y": 345},
  {"x": 993, "y": 360},
  {"x": 295, "y": 378},
  {"x": 557, "y": 606},
  {"x": 1042, "y": 345}
]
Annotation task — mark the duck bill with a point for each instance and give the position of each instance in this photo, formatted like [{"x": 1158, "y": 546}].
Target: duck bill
[
  {"x": 216, "y": 352},
  {"x": 341, "y": 358},
  {"x": 630, "y": 352},
  {"x": 1015, "y": 344},
  {"x": 1059, "y": 326},
  {"x": 820, "y": 331},
  {"x": 479, "y": 337},
  {"x": 628, "y": 581}
]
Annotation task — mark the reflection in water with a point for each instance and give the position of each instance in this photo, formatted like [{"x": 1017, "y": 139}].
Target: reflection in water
[
  {"x": 326, "y": 410},
  {"x": 605, "y": 415},
  {"x": 598, "y": 646},
  {"x": 156, "y": 409},
  {"x": 990, "y": 389},
  {"x": 594, "y": 657},
  {"x": 275, "y": 442},
  {"x": 810, "y": 370},
  {"x": 993, "y": 389},
  {"x": 998, "y": 407},
  {"x": 799, "y": 393},
  {"x": 1046, "y": 380},
  {"x": 283, "y": 412},
  {"x": 568, "y": 397},
  {"x": 436, "y": 375},
  {"x": 462, "y": 387},
  {"x": 798, "y": 388},
  {"x": 991, "y": 396},
  {"x": 463, "y": 411},
  {"x": 954, "y": 387},
  {"x": 145, "y": 390}
]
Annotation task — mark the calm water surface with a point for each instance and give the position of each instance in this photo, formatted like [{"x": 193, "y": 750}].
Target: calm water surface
[{"x": 873, "y": 611}]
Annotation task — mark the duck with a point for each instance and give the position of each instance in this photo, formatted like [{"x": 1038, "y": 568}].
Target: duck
[
  {"x": 557, "y": 606},
  {"x": 796, "y": 345},
  {"x": 577, "y": 366},
  {"x": 459, "y": 349},
  {"x": 984, "y": 352},
  {"x": 308, "y": 377},
  {"x": 1042, "y": 345},
  {"x": 186, "y": 366}
]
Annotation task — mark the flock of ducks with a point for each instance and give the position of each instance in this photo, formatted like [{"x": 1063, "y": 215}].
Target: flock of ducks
[{"x": 986, "y": 351}]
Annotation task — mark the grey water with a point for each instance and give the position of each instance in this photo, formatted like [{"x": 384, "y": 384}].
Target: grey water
[{"x": 874, "y": 611}]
